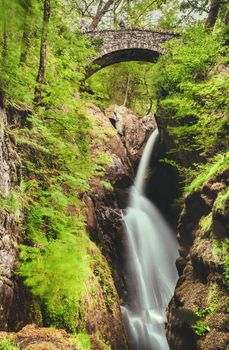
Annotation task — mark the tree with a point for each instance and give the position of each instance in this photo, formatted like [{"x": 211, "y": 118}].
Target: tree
[
  {"x": 209, "y": 9},
  {"x": 101, "y": 11},
  {"x": 213, "y": 13},
  {"x": 27, "y": 30},
  {"x": 43, "y": 52},
  {"x": 110, "y": 12}
]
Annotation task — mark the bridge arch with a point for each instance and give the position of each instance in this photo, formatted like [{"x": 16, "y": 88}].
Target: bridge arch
[{"x": 124, "y": 45}]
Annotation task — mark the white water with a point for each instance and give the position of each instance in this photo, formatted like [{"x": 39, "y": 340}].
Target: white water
[{"x": 152, "y": 275}]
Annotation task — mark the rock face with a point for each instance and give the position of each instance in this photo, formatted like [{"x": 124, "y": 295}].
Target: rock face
[
  {"x": 132, "y": 130},
  {"x": 103, "y": 205},
  {"x": 8, "y": 227},
  {"x": 4, "y": 157},
  {"x": 197, "y": 317}
]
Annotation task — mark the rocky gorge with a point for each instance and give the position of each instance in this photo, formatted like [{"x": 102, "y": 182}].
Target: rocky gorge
[{"x": 200, "y": 298}]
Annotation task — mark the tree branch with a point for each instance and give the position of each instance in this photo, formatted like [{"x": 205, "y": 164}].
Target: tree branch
[{"x": 98, "y": 17}]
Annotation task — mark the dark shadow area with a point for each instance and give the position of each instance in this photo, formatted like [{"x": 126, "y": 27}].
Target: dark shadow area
[{"x": 119, "y": 56}]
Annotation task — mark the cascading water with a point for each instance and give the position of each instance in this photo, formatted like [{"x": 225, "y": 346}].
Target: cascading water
[{"x": 151, "y": 275}]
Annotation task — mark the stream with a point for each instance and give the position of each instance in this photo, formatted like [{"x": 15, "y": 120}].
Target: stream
[{"x": 151, "y": 253}]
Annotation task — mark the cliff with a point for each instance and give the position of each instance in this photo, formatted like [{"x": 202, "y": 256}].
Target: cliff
[{"x": 197, "y": 316}]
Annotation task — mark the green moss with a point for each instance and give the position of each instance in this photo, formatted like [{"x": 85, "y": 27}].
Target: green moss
[
  {"x": 226, "y": 269},
  {"x": 104, "y": 278},
  {"x": 222, "y": 199},
  {"x": 83, "y": 341},
  {"x": 105, "y": 345},
  {"x": 107, "y": 186},
  {"x": 220, "y": 248},
  {"x": 8, "y": 344},
  {"x": 220, "y": 253},
  {"x": 206, "y": 223}
]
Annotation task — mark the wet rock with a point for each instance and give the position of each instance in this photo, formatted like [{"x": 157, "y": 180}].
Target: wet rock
[
  {"x": 133, "y": 131},
  {"x": 127, "y": 135}
]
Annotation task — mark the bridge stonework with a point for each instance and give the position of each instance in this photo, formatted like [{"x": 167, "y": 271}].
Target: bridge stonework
[{"x": 127, "y": 45}]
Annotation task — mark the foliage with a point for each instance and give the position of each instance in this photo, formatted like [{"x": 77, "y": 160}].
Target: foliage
[
  {"x": 59, "y": 240},
  {"x": 58, "y": 147},
  {"x": 12, "y": 203},
  {"x": 128, "y": 84},
  {"x": 208, "y": 170},
  {"x": 200, "y": 8},
  {"x": 67, "y": 50},
  {"x": 134, "y": 13},
  {"x": 18, "y": 80},
  {"x": 57, "y": 158},
  {"x": 213, "y": 299},
  {"x": 7, "y": 344},
  {"x": 57, "y": 165},
  {"x": 187, "y": 91},
  {"x": 192, "y": 104},
  {"x": 201, "y": 328}
]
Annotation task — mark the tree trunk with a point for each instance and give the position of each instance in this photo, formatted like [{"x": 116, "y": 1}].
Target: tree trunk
[
  {"x": 27, "y": 32},
  {"x": 43, "y": 53},
  {"x": 227, "y": 18},
  {"x": 127, "y": 90},
  {"x": 99, "y": 15},
  {"x": 213, "y": 13}
]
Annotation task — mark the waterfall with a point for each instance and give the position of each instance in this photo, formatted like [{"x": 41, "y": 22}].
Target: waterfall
[{"x": 151, "y": 271}]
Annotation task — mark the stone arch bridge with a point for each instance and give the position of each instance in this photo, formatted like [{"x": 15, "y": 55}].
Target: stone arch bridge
[{"x": 127, "y": 45}]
